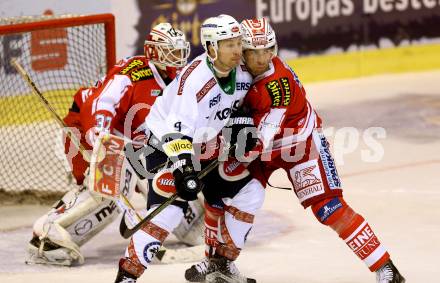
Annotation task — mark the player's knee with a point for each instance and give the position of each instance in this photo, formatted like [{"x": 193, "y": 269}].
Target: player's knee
[
  {"x": 330, "y": 210},
  {"x": 169, "y": 218},
  {"x": 336, "y": 213}
]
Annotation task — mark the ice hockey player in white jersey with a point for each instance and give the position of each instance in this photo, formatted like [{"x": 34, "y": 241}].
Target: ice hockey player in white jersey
[
  {"x": 193, "y": 109},
  {"x": 79, "y": 215}
]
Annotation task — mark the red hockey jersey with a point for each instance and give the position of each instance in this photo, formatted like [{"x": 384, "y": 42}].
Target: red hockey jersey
[{"x": 278, "y": 103}]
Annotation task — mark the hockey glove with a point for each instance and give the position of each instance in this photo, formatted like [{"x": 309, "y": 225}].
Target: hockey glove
[
  {"x": 242, "y": 131},
  {"x": 102, "y": 123},
  {"x": 186, "y": 181}
]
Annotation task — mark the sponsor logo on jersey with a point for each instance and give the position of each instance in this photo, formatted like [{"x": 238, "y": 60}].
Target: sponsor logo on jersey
[
  {"x": 242, "y": 86},
  {"x": 135, "y": 63},
  {"x": 186, "y": 74},
  {"x": 205, "y": 89},
  {"x": 329, "y": 164},
  {"x": 274, "y": 90},
  {"x": 306, "y": 180},
  {"x": 150, "y": 251},
  {"x": 215, "y": 100},
  {"x": 287, "y": 92},
  {"x": 141, "y": 74},
  {"x": 364, "y": 242},
  {"x": 328, "y": 209},
  {"x": 226, "y": 112}
]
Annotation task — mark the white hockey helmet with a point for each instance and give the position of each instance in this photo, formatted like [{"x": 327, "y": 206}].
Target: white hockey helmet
[
  {"x": 167, "y": 47},
  {"x": 218, "y": 28},
  {"x": 258, "y": 34}
]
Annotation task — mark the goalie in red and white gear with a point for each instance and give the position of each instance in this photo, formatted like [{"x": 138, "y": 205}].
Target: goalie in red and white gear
[
  {"x": 292, "y": 139},
  {"x": 119, "y": 104}
]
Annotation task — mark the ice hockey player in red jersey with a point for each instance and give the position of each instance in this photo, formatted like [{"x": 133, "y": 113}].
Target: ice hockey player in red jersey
[
  {"x": 118, "y": 103},
  {"x": 291, "y": 138}
]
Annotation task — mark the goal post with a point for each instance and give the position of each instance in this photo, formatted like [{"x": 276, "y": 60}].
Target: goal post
[{"x": 61, "y": 54}]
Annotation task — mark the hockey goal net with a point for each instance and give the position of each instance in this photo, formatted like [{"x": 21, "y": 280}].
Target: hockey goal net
[{"x": 61, "y": 54}]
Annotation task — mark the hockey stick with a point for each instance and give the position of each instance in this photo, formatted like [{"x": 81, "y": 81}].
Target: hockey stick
[
  {"x": 49, "y": 108},
  {"x": 127, "y": 232},
  {"x": 63, "y": 125}
]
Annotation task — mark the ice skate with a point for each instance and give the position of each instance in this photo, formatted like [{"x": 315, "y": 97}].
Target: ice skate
[
  {"x": 197, "y": 272},
  {"x": 124, "y": 277},
  {"x": 223, "y": 270},
  {"x": 388, "y": 273}
]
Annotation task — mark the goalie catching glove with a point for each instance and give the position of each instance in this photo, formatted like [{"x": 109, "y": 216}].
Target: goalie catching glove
[{"x": 186, "y": 181}]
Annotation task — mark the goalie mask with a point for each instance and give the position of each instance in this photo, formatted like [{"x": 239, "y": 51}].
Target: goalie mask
[
  {"x": 258, "y": 34},
  {"x": 167, "y": 47}
]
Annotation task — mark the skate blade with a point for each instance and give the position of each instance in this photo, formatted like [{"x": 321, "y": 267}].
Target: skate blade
[{"x": 218, "y": 277}]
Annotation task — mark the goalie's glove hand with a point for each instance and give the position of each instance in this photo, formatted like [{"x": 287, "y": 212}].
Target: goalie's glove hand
[
  {"x": 188, "y": 185},
  {"x": 93, "y": 134},
  {"x": 102, "y": 120}
]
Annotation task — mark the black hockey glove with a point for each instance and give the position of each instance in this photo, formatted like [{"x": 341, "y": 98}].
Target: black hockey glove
[
  {"x": 186, "y": 181},
  {"x": 181, "y": 153},
  {"x": 242, "y": 132}
]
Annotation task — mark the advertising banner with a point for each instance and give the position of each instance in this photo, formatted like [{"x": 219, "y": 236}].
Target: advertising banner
[{"x": 306, "y": 26}]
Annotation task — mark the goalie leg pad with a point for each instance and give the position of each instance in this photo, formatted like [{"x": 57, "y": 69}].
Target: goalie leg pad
[
  {"x": 190, "y": 229},
  {"x": 74, "y": 220},
  {"x": 60, "y": 256}
]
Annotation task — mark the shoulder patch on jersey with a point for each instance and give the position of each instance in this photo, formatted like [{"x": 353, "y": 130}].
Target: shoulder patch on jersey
[
  {"x": 206, "y": 88},
  {"x": 133, "y": 64},
  {"x": 243, "y": 68},
  {"x": 287, "y": 90},
  {"x": 274, "y": 90},
  {"x": 141, "y": 74},
  {"x": 186, "y": 74}
]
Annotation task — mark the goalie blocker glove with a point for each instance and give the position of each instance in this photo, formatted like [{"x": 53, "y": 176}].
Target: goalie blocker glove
[{"x": 186, "y": 181}]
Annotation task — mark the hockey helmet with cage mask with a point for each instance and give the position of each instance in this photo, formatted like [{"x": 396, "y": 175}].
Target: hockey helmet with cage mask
[
  {"x": 167, "y": 48},
  {"x": 258, "y": 34},
  {"x": 218, "y": 28}
]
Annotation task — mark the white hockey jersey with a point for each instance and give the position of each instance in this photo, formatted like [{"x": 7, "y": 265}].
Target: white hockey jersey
[{"x": 195, "y": 105}]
